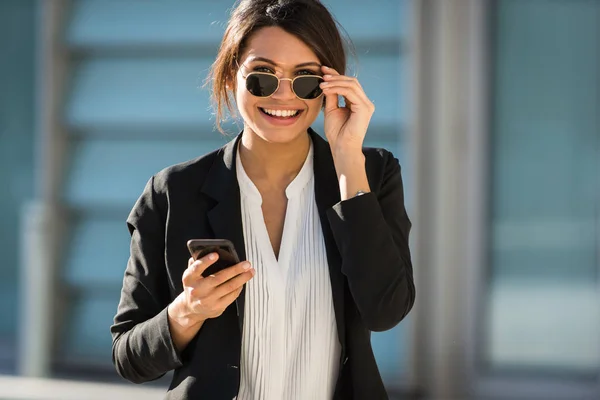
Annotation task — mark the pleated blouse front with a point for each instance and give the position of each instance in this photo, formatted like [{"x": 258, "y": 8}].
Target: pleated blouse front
[{"x": 290, "y": 347}]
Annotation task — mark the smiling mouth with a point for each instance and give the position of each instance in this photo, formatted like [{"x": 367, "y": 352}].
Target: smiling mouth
[{"x": 282, "y": 114}]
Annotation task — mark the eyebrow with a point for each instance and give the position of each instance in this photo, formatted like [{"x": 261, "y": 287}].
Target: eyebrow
[{"x": 306, "y": 64}]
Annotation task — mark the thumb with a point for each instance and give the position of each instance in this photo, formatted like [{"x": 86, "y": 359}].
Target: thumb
[{"x": 331, "y": 102}]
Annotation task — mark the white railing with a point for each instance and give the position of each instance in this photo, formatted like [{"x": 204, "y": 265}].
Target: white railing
[{"x": 22, "y": 388}]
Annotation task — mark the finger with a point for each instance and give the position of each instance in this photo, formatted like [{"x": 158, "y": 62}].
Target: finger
[
  {"x": 352, "y": 95},
  {"x": 228, "y": 273},
  {"x": 229, "y": 298},
  {"x": 332, "y": 74},
  {"x": 331, "y": 100},
  {"x": 233, "y": 284},
  {"x": 194, "y": 271},
  {"x": 329, "y": 70},
  {"x": 342, "y": 78},
  {"x": 350, "y": 84}
]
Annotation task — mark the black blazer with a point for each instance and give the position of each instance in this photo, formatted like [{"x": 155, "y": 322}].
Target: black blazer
[{"x": 366, "y": 238}]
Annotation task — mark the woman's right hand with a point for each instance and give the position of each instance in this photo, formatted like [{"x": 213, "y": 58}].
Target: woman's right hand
[
  {"x": 204, "y": 297},
  {"x": 207, "y": 297}
]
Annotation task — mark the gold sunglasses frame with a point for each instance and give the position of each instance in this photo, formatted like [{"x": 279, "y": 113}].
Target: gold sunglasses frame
[{"x": 279, "y": 83}]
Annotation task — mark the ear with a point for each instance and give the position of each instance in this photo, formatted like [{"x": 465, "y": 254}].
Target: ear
[{"x": 230, "y": 83}]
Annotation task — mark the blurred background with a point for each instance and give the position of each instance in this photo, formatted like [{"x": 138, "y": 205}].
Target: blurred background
[{"x": 491, "y": 106}]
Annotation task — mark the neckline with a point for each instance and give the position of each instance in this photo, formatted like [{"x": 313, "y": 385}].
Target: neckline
[{"x": 292, "y": 190}]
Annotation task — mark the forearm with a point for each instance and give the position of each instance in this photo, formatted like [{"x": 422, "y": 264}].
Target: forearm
[
  {"x": 183, "y": 325},
  {"x": 371, "y": 232},
  {"x": 377, "y": 267},
  {"x": 351, "y": 172},
  {"x": 145, "y": 351}
]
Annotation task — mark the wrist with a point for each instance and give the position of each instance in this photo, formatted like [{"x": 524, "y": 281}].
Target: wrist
[
  {"x": 183, "y": 323},
  {"x": 348, "y": 155},
  {"x": 352, "y": 182},
  {"x": 351, "y": 172},
  {"x": 180, "y": 314},
  {"x": 349, "y": 163}
]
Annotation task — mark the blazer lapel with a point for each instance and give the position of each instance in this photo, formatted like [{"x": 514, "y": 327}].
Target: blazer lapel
[
  {"x": 327, "y": 194},
  {"x": 225, "y": 217}
]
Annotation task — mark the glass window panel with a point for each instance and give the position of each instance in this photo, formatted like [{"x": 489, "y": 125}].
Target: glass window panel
[
  {"x": 86, "y": 340},
  {"x": 543, "y": 310},
  {"x": 17, "y": 43}
]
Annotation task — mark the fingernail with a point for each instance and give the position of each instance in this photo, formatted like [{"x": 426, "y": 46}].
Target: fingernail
[
  {"x": 212, "y": 256},
  {"x": 326, "y": 76},
  {"x": 246, "y": 265},
  {"x": 323, "y": 84},
  {"x": 326, "y": 67}
]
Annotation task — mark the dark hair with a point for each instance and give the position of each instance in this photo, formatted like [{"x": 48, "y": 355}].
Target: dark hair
[{"x": 309, "y": 20}]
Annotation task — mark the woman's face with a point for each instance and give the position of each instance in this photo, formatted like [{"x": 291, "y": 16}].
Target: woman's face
[{"x": 273, "y": 50}]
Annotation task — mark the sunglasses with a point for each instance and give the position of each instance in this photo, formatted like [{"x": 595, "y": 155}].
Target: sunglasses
[{"x": 264, "y": 84}]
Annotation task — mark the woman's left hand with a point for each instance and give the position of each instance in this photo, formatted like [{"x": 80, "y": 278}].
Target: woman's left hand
[{"x": 345, "y": 127}]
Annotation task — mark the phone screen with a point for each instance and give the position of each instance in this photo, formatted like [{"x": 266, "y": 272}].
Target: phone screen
[{"x": 224, "y": 248}]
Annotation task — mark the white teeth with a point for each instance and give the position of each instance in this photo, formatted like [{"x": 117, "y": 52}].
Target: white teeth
[{"x": 281, "y": 113}]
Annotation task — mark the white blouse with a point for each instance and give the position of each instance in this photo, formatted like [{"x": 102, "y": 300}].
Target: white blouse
[{"x": 290, "y": 347}]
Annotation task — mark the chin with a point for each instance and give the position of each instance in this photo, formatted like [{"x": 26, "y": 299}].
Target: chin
[{"x": 279, "y": 135}]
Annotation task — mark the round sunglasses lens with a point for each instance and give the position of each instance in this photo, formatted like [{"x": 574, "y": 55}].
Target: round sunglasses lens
[
  {"x": 307, "y": 87},
  {"x": 261, "y": 85}
]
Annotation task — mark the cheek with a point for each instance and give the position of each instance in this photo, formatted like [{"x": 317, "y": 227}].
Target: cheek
[
  {"x": 243, "y": 99},
  {"x": 238, "y": 93}
]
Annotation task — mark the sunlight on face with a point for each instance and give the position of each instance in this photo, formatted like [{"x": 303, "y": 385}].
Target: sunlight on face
[{"x": 276, "y": 51}]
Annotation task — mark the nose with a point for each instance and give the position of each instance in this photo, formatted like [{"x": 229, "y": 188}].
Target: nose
[{"x": 284, "y": 91}]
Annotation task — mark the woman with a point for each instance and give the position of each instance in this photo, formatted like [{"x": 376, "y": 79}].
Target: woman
[{"x": 321, "y": 225}]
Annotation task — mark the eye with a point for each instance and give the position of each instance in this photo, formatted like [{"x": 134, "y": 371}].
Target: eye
[
  {"x": 306, "y": 72},
  {"x": 262, "y": 68}
]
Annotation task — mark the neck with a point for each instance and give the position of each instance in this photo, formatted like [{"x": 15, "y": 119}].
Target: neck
[{"x": 272, "y": 164}]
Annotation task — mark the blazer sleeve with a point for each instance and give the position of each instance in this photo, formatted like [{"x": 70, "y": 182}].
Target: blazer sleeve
[
  {"x": 371, "y": 232},
  {"x": 142, "y": 347}
]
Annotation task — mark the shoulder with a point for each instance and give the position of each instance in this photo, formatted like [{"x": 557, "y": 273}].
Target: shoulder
[
  {"x": 174, "y": 181},
  {"x": 188, "y": 174},
  {"x": 380, "y": 165},
  {"x": 378, "y": 155}
]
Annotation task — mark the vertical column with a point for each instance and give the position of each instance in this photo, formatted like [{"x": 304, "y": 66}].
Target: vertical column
[
  {"x": 450, "y": 121},
  {"x": 43, "y": 223}
]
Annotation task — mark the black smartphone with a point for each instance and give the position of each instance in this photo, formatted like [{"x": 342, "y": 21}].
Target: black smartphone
[{"x": 224, "y": 248}]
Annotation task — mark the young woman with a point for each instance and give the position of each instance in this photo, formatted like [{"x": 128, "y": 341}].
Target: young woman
[{"x": 320, "y": 224}]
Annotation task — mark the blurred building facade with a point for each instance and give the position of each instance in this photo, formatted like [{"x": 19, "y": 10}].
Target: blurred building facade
[{"x": 492, "y": 108}]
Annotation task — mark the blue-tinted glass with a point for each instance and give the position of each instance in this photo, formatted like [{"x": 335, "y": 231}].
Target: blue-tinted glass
[
  {"x": 16, "y": 156},
  {"x": 544, "y": 304}
]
